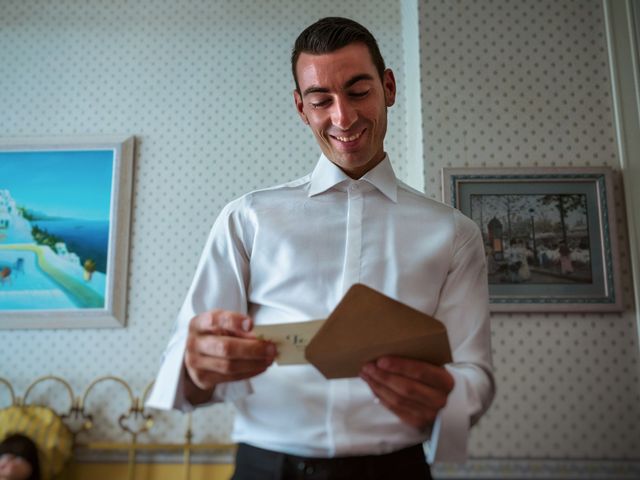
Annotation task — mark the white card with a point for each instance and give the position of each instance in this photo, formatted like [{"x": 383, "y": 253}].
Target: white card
[{"x": 290, "y": 338}]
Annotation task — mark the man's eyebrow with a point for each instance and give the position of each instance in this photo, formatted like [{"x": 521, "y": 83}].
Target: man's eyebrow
[
  {"x": 353, "y": 80},
  {"x": 315, "y": 89},
  {"x": 349, "y": 83}
]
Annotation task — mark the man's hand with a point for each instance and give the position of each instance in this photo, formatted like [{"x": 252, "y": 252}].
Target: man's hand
[
  {"x": 220, "y": 348},
  {"x": 415, "y": 391}
]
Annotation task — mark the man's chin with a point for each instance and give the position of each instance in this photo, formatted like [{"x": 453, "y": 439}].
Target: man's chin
[
  {"x": 355, "y": 168},
  {"x": 347, "y": 161}
]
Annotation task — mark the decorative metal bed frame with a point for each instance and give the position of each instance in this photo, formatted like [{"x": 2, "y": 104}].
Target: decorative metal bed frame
[{"x": 80, "y": 420}]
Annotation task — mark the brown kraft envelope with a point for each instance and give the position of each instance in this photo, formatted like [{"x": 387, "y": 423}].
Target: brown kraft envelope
[{"x": 366, "y": 325}]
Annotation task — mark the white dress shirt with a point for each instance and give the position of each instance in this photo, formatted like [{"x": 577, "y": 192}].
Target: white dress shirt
[{"x": 288, "y": 254}]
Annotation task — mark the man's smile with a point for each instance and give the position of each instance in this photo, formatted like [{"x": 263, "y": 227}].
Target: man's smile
[{"x": 350, "y": 138}]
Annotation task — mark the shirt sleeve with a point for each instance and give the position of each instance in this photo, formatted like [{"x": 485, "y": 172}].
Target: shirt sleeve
[
  {"x": 220, "y": 281},
  {"x": 464, "y": 308}
]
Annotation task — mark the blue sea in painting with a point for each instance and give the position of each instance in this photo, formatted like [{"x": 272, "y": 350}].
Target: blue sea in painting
[
  {"x": 85, "y": 238},
  {"x": 68, "y": 194}
]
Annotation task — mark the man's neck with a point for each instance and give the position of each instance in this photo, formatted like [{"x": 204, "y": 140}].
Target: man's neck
[{"x": 359, "y": 173}]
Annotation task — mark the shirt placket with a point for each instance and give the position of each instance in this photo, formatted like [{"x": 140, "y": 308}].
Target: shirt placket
[
  {"x": 340, "y": 389},
  {"x": 353, "y": 250}
]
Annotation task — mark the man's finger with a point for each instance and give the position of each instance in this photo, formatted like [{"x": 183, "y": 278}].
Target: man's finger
[
  {"x": 225, "y": 366},
  {"x": 234, "y": 348},
  {"x": 406, "y": 388},
  {"x": 426, "y": 373},
  {"x": 235, "y": 321},
  {"x": 212, "y": 321},
  {"x": 389, "y": 396},
  {"x": 410, "y": 412}
]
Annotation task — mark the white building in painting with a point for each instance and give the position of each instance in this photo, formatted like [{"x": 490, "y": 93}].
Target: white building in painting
[
  {"x": 4, "y": 220},
  {"x": 7, "y": 208},
  {"x": 13, "y": 227},
  {"x": 65, "y": 254}
]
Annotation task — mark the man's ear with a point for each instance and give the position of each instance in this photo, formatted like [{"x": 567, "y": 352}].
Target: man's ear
[
  {"x": 389, "y": 85},
  {"x": 299, "y": 106}
]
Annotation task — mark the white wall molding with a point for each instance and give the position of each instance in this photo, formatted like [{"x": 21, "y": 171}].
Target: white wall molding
[
  {"x": 622, "y": 45},
  {"x": 412, "y": 91},
  {"x": 508, "y": 469}
]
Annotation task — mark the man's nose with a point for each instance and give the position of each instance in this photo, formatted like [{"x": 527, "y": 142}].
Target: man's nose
[{"x": 343, "y": 115}]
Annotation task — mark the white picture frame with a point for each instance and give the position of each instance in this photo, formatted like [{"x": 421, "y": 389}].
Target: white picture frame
[{"x": 65, "y": 212}]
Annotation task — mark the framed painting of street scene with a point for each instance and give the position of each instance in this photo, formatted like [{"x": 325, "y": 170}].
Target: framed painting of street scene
[
  {"x": 64, "y": 231},
  {"x": 549, "y": 235}
]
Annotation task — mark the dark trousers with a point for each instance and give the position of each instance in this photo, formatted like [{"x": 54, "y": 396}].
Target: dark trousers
[{"x": 254, "y": 463}]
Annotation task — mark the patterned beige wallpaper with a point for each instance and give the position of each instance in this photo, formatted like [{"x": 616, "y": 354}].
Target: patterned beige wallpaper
[
  {"x": 523, "y": 84},
  {"x": 206, "y": 87}
]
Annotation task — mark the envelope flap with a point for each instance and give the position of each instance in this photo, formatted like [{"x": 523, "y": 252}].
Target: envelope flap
[{"x": 367, "y": 317}]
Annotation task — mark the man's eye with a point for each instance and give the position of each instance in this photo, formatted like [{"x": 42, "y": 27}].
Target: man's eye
[
  {"x": 320, "y": 104},
  {"x": 359, "y": 94}
]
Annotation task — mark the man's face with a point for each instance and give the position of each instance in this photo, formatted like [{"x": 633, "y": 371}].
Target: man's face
[
  {"x": 13, "y": 467},
  {"x": 345, "y": 102}
]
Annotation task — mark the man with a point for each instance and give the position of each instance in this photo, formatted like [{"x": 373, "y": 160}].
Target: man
[
  {"x": 19, "y": 458},
  {"x": 289, "y": 253}
]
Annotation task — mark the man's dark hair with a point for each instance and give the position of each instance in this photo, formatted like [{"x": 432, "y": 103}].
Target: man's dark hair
[
  {"x": 330, "y": 34},
  {"x": 22, "y": 446}
]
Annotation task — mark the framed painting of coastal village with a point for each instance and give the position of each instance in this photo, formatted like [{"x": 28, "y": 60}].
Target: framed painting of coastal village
[
  {"x": 549, "y": 235},
  {"x": 64, "y": 231}
]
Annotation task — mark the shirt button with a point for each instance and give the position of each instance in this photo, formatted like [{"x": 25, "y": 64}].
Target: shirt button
[{"x": 306, "y": 469}]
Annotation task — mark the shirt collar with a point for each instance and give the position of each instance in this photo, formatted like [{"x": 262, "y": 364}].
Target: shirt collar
[{"x": 327, "y": 175}]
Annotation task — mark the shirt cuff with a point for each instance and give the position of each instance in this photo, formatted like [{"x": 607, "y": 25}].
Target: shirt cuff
[
  {"x": 168, "y": 383},
  {"x": 448, "y": 442},
  {"x": 168, "y": 389}
]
